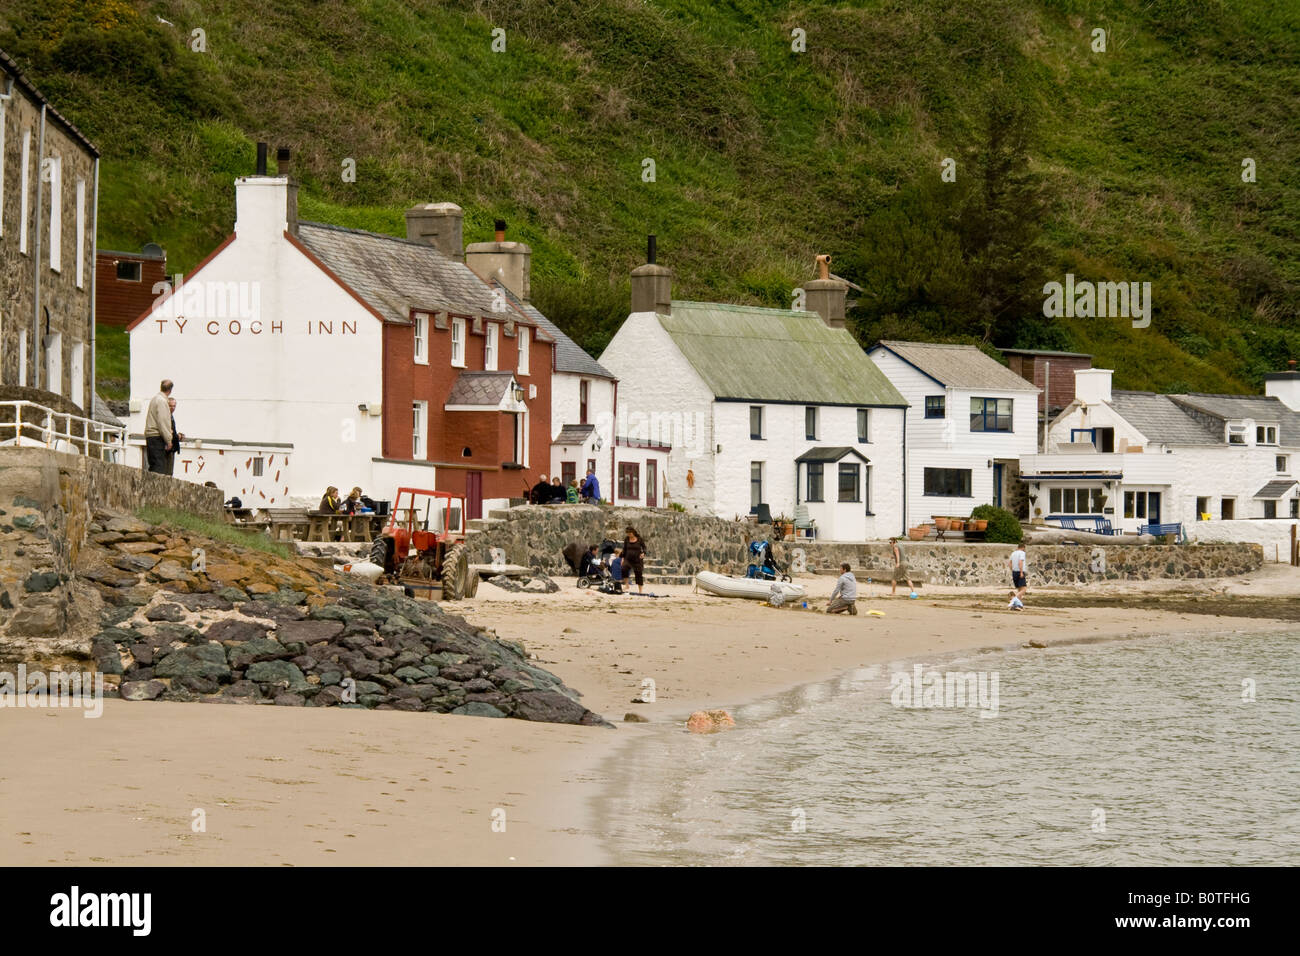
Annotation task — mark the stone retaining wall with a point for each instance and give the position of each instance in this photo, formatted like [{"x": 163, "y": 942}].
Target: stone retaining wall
[{"x": 535, "y": 536}]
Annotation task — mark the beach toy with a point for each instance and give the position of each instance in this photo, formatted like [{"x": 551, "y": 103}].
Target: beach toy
[
  {"x": 913, "y": 596},
  {"x": 877, "y": 613}
]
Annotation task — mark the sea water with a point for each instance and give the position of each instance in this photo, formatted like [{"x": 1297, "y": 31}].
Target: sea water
[{"x": 1142, "y": 751}]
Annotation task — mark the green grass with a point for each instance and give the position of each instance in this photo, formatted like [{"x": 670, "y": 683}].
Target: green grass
[
  {"x": 112, "y": 362},
  {"x": 763, "y": 156},
  {"x": 216, "y": 530}
]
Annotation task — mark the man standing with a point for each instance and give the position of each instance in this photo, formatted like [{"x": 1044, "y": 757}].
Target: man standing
[
  {"x": 158, "y": 434},
  {"x": 1019, "y": 565},
  {"x": 900, "y": 569},
  {"x": 845, "y": 593},
  {"x": 591, "y": 488}
]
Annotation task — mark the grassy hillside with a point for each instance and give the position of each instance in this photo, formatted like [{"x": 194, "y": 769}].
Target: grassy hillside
[{"x": 763, "y": 156}]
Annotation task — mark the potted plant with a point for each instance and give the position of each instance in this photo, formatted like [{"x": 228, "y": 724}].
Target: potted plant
[
  {"x": 942, "y": 523},
  {"x": 979, "y": 524},
  {"x": 918, "y": 533},
  {"x": 956, "y": 524},
  {"x": 783, "y": 524}
]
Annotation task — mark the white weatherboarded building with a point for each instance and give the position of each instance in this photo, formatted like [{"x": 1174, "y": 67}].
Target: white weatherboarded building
[
  {"x": 969, "y": 421},
  {"x": 1223, "y": 466},
  {"x": 761, "y": 407}
]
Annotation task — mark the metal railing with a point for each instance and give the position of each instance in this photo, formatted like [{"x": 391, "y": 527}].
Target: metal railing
[{"x": 26, "y": 424}]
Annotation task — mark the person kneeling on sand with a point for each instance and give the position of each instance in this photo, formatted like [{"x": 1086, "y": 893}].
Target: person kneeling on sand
[
  {"x": 1016, "y": 604},
  {"x": 845, "y": 593}
]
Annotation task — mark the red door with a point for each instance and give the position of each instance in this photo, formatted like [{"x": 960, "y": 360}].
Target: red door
[
  {"x": 651, "y": 484},
  {"x": 473, "y": 494}
]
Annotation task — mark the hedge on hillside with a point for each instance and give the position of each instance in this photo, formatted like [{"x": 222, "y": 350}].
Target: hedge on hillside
[{"x": 1004, "y": 528}]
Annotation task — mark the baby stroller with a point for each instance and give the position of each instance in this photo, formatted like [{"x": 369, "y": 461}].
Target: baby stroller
[
  {"x": 764, "y": 566},
  {"x": 599, "y": 576}
]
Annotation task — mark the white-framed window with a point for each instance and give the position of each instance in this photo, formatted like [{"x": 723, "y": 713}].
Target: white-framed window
[
  {"x": 81, "y": 233},
  {"x": 22, "y": 356},
  {"x": 56, "y": 213},
  {"x": 259, "y": 467},
  {"x": 23, "y": 198},
  {"x": 864, "y": 425},
  {"x": 755, "y": 485},
  {"x": 458, "y": 343},
  {"x": 419, "y": 425},
  {"x": 810, "y": 423},
  {"x": 422, "y": 339},
  {"x": 523, "y": 349},
  {"x": 1283, "y": 463},
  {"x": 1265, "y": 434},
  {"x": 490, "y": 347},
  {"x": 1081, "y": 501},
  {"x": 755, "y": 422},
  {"x": 1236, "y": 434}
]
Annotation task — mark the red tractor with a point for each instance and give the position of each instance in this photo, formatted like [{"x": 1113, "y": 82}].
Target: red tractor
[{"x": 424, "y": 541}]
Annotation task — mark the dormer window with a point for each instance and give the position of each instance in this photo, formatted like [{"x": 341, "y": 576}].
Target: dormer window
[
  {"x": 1236, "y": 434},
  {"x": 1265, "y": 434}
]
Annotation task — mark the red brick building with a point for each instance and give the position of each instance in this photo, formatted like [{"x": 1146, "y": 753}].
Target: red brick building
[
  {"x": 1053, "y": 372},
  {"x": 125, "y": 283}
]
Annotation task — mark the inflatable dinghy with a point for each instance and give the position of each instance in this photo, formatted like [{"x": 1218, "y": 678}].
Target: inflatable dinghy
[{"x": 753, "y": 589}]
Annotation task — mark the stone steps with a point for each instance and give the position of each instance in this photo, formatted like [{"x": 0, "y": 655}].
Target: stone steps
[{"x": 482, "y": 524}]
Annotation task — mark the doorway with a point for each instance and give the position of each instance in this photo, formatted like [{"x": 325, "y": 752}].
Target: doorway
[
  {"x": 997, "y": 484},
  {"x": 652, "y": 484},
  {"x": 473, "y": 494}
]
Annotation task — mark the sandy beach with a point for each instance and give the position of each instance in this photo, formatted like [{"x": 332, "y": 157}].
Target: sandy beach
[{"x": 321, "y": 787}]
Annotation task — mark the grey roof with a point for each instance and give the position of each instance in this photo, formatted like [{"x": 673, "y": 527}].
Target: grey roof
[
  {"x": 1162, "y": 420},
  {"x": 1046, "y": 353},
  {"x": 101, "y": 413},
  {"x": 480, "y": 388},
  {"x": 745, "y": 353},
  {"x": 1276, "y": 489},
  {"x": 958, "y": 366},
  {"x": 569, "y": 355},
  {"x": 396, "y": 275},
  {"x": 574, "y": 434},
  {"x": 1262, "y": 408},
  {"x": 829, "y": 453}
]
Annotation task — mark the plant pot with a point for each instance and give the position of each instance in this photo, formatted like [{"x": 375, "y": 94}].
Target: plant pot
[
  {"x": 956, "y": 525},
  {"x": 942, "y": 523},
  {"x": 918, "y": 534},
  {"x": 979, "y": 524}
]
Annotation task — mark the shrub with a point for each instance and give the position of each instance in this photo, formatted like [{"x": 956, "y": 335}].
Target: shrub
[{"x": 1003, "y": 527}]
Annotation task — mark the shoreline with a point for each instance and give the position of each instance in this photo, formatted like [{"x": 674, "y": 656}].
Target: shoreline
[{"x": 292, "y": 786}]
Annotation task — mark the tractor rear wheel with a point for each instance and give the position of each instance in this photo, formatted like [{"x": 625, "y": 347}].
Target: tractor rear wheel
[
  {"x": 381, "y": 550},
  {"x": 455, "y": 572}
]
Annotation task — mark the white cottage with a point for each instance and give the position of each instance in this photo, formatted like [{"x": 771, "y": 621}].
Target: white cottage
[
  {"x": 1223, "y": 466},
  {"x": 969, "y": 421},
  {"x": 764, "y": 409}
]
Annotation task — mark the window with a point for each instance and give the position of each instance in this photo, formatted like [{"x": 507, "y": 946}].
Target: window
[
  {"x": 629, "y": 479},
  {"x": 53, "y": 360},
  {"x": 56, "y": 212},
  {"x": 866, "y": 486},
  {"x": 1103, "y": 439},
  {"x": 523, "y": 349},
  {"x": 1227, "y": 509},
  {"x": 458, "y": 343},
  {"x": 128, "y": 271},
  {"x": 864, "y": 424},
  {"x": 490, "y": 347},
  {"x": 1270, "y": 509},
  {"x": 584, "y": 392},
  {"x": 1202, "y": 509},
  {"x": 1265, "y": 434},
  {"x": 850, "y": 490},
  {"x": 1136, "y": 503},
  {"x": 810, "y": 423},
  {"x": 22, "y": 356},
  {"x": 77, "y": 374},
  {"x": 990, "y": 414},
  {"x": 755, "y": 421},
  {"x": 1074, "y": 501},
  {"x": 259, "y": 466},
  {"x": 568, "y": 471},
  {"x": 936, "y": 406},
  {"x": 947, "y": 482},
  {"x": 422, "y": 339},
  {"x": 755, "y": 485},
  {"x": 81, "y": 233},
  {"x": 1236, "y": 434},
  {"x": 1283, "y": 462},
  {"x": 816, "y": 472},
  {"x": 419, "y": 421},
  {"x": 22, "y": 186},
  {"x": 1295, "y": 507},
  {"x": 591, "y": 465}
]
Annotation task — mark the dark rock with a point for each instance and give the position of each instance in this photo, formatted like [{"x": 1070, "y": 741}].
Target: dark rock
[
  {"x": 165, "y": 612},
  {"x": 107, "y": 658},
  {"x": 549, "y": 707},
  {"x": 5, "y": 601},
  {"x": 328, "y": 697},
  {"x": 110, "y": 577},
  {"x": 141, "y": 689},
  {"x": 199, "y": 660},
  {"x": 477, "y": 708},
  {"x": 256, "y": 651},
  {"x": 199, "y": 685},
  {"x": 410, "y": 673},
  {"x": 274, "y": 612},
  {"x": 632, "y": 718},
  {"x": 278, "y": 672},
  {"x": 244, "y": 688},
  {"x": 206, "y": 602},
  {"x": 357, "y": 642},
  {"x": 408, "y": 704},
  {"x": 336, "y": 612},
  {"x": 414, "y": 691},
  {"x": 134, "y": 563},
  {"x": 41, "y": 581},
  {"x": 459, "y": 672},
  {"x": 285, "y": 597},
  {"x": 170, "y": 633},
  {"x": 236, "y": 631},
  {"x": 233, "y": 594},
  {"x": 143, "y": 654},
  {"x": 290, "y": 700},
  {"x": 307, "y": 632}
]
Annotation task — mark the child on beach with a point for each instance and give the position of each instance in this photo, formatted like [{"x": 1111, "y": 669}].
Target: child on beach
[
  {"x": 1016, "y": 604},
  {"x": 900, "y": 570},
  {"x": 1019, "y": 565}
]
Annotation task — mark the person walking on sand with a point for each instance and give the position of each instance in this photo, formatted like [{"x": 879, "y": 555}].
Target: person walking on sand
[
  {"x": 900, "y": 569},
  {"x": 1019, "y": 565},
  {"x": 158, "y": 433},
  {"x": 634, "y": 558},
  {"x": 845, "y": 593}
]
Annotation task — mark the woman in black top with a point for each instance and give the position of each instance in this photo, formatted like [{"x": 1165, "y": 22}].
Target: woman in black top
[{"x": 634, "y": 551}]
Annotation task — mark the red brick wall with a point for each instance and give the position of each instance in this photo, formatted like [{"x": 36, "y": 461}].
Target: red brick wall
[
  {"x": 1061, "y": 387},
  {"x": 118, "y": 302},
  {"x": 488, "y": 435}
]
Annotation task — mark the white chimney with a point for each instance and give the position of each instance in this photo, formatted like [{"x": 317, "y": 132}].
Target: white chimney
[
  {"x": 1092, "y": 385},
  {"x": 261, "y": 205},
  {"x": 1284, "y": 386}
]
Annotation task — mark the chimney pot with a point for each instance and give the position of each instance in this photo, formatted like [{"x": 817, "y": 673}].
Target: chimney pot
[
  {"x": 826, "y": 296},
  {"x": 650, "y": 249},
  {"x": 500, "y": 227},
  {"x": 283, "y": 161},
  {"x": 261, "y": 159}
]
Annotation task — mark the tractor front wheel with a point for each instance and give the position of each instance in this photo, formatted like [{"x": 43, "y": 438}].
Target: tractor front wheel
[
  {"x": 455, "y": 573},
  {"x": 381, "y": 553}
]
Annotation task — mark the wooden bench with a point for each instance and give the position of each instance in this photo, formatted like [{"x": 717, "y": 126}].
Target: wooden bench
[
  {"x": 286, "y": 524},
  {"x": 1159, "y": 530}
]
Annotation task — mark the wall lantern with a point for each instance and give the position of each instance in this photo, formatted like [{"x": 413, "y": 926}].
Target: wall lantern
[{"x": 519, "y": 392}]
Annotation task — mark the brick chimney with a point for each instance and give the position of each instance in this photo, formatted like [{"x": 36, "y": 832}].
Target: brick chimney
[
  {"x": 652, "y": 284},
  {"x": 441, "y": 225},
  {"x": 507, "y": 262},
  {"x": 826, "y": 296}
]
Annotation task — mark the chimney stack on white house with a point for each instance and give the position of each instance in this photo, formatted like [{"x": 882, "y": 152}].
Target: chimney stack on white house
[
  {"x": 1092, "y": 385},
  {"x": 1284, "y": 386},
  {"x": 266, "y": 204},
  {"x": 826, "y": 296},
  {"x": 652, "y": 284},
  {"x": 507, "y": 262},
  {"x": 441, "y": 225}
]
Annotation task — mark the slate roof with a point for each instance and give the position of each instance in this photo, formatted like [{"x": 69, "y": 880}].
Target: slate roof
[
  {"x": 480, "y": 388},
  {"x": 958, "y": 366},
  {"x": 745, "y": 353},
  {"x": 1262, "y": 408},
  {"x": 101, "y": 413},
  {"x": 569, "y": 355},
  {"x": 8, "y": 64},
  {"x": 396, "y": 275},
  {"x": 1162, "y": 420},
  {"x": 829, "y": 453},
  {"x": 1276, "y": 489},
  {"x": 574, "y": 434}
]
